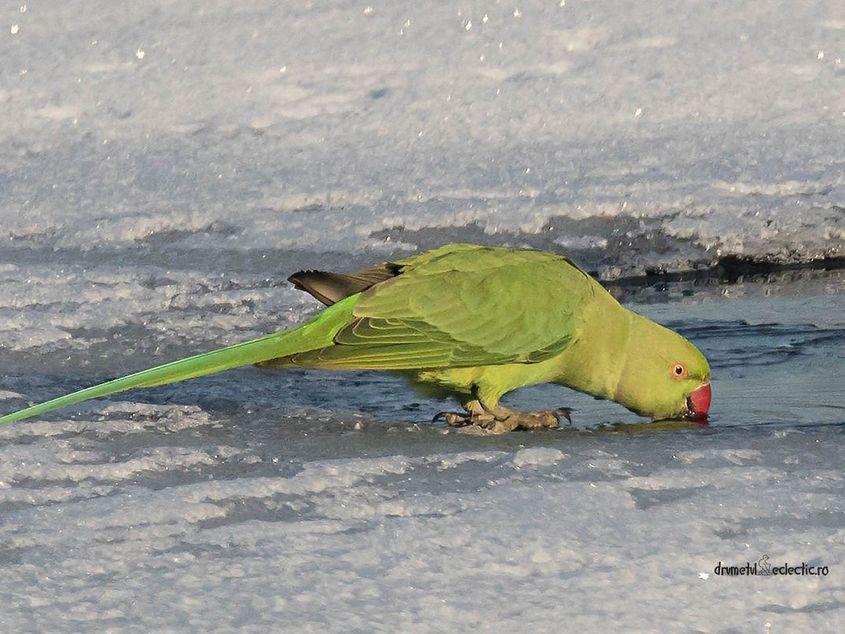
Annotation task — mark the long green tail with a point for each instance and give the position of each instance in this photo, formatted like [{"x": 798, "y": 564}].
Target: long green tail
[{"x": 315, "y": 334}]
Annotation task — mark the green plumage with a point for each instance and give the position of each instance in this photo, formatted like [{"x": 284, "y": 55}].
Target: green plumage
[
  {"x": 476, "y": 321},
  {"x": 460, "y": 306}
]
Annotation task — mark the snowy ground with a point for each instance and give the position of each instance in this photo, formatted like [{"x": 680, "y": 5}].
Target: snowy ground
[
  {"x": 542, "y": 532},
  {"x": 165, "y": 166},
  {"x": 635, "y": 134}
]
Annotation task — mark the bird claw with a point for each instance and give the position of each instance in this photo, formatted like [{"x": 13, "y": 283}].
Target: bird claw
[
  {"x": 563, "y": 412},
  {"x": 453, "y": 419},
  {"x": 504, "y": 420}
]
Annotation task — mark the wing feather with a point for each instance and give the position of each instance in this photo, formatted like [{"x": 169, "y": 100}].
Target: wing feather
[{"x": 469, "y": 307}]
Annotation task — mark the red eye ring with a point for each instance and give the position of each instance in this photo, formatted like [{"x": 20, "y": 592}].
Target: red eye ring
[{"x": 679, "y": 371}]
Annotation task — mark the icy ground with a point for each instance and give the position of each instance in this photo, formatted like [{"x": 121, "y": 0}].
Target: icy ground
[
  {"x": 317, "y": 501},
  {"x": 164, "y": 166},
  {"x": 636, "y": 135}
]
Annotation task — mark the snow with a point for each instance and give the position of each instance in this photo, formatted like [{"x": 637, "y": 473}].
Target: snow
[
  {"x": 711, "y": 130},
  {"x": 617, "y": 537}
]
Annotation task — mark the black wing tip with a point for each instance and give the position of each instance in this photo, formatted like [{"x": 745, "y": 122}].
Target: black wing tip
[{"x": 296, "y": 278}]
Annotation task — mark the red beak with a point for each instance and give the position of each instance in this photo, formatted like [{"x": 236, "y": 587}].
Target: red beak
[{"x": 698, "y": 401}]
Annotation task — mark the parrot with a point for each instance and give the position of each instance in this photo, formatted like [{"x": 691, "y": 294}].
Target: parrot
[{"x": 474, "y": 323}]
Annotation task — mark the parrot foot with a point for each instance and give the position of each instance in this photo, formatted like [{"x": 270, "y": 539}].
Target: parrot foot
[
  {"x": 455, "y": 419},
  {"x": 474, "y": 414},
  {"x": 500, "y": 420}
]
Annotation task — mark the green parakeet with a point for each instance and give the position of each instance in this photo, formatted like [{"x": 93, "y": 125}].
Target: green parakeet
[{"x": 475, "y": 322}]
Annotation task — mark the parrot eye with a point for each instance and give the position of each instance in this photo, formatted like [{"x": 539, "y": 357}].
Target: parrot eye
[{"x": 679, "y": 371}]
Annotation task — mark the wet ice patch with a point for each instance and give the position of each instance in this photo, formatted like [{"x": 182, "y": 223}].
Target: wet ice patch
[
  {"x": 113, "y": 420},
  {"x": 65, "y": 460},
  {"x": 537, "y": 457},
  {"x": 733, "y": 456}
]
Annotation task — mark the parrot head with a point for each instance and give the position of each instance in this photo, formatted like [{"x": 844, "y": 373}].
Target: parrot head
[{"x": 665, "y": 376}]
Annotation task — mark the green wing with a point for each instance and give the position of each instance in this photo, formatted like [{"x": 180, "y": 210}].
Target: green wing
[{"x": 460, "y": 306}]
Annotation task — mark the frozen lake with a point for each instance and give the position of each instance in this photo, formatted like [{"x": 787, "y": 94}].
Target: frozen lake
[
  {"x": 312, "y": 500},
  {"x": 165, "y": 167}
]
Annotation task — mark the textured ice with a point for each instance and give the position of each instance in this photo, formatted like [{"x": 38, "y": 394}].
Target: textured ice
[
  {"x": 537, "y": 456},
  {"x": 387, "y": 543},
  {"x": 165, "y": 166},
  {"x": 703, "y": 131},
  {"x": 311, "y": 501}
]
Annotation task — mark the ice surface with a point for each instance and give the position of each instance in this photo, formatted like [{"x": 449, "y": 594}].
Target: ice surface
[
  {"x": 165, "y": 166},
  {"x": 318, "y": 501},
  {"x": 423, "y": 540},
  {"x": 638, "y": 135}
]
